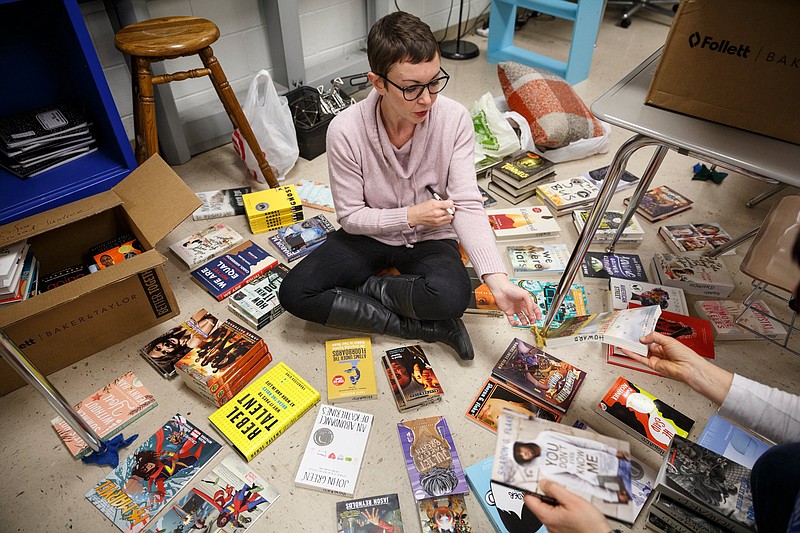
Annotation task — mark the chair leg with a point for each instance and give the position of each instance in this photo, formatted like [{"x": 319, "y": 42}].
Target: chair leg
[
  {"x": 235, "y": 113},
  {"x": 144, "y": 110}
]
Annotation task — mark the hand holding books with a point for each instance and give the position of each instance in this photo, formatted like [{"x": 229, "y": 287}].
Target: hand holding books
[{"x": 572, "y": 513}]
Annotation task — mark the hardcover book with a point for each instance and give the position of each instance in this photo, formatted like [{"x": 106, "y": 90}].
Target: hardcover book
[
  {"x": 335, "y": 451},
  {"x": 545, "y": 378},
  {"x": 230, "y": 498},
  {"x": 411, "y": 376},
  {"x": 353, "y": 516},
  {"x": 707, "y": 483},
  {"x": 220, "y": 203},
  {"x": 569, "y": 194},
  {"x": 722, "y": 314},
  {"x": 203, "y": 245},
  {"x": 522, "y": 169},
  {"x": 444, "y": 514},
  {"x": 538, "y": 260},
  {"x": 431, "y": 458},
  {"x": 493, "y": 397},
  {"x": 523, "y": 222},
  {"x": 107, "y": 411},
  {"x": 595, "y": 467},
  {"x": 488, "y": 199},
  {"x": 257, "y": 302},
  {"x": 315, "y": 194},
  {"x": 699, "y": 237},
  {"x": 503, "y": 506},
  {"x": 270, "y": 209},
  {"x": 623, "y": 294},
  {"x": 309, "y": 232},
  {"x": 145, "y": 482},
  {"x": 732, "y": 442},
  {"x": 649, "y": 419},
  {"x": 621, "y": 327},
  {"x": 167, "y": 349},
  {"x": 227, "y": 273},
  {"x": 695, "y": 274},
  {"x": 253, "y": 418},
  {"x": 662, "y": 202},
  {"x": 350, "y": 369},
  {"x": 609, "y": 225},
  {"x": 599, "y": 265},
  {"x": 513, "y": 197},
  {"x": 598, "y": 175}
]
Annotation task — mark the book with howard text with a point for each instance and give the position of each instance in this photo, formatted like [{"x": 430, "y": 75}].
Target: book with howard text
[
  {"x": 199, "y": 247},
  {"x": 228, "y": 272},
  {"x": 351, "y": 515},
  {"x": 335, "y": 450},
  {"x": 695, "y": 274},
  {"x": 523, "y": 222},
  {"x": 350, "y": 370},
  {"x": 220, "y": 203},
  {"x": 758, "y": 321},
  {"x": 493, "y": 397},
  {"x": 258, "y": 414}
]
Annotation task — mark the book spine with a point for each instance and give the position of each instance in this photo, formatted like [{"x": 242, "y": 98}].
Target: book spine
[
  {"x": 702, "y": 510},
  {"x": 680, "y": 521},
  {"x": 671, "y": 521}
]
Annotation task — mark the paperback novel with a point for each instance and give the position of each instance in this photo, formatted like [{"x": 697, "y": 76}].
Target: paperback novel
[
  {"x": 681, "y": 519},
  {"x": 353, "y": 516},
  {"x": 649, "y": 419},
  {"x": 695, "y": 274},
  {"x": 227, "y": 273},
  {"x": 568, "y": 194},
  {"x": 662, "y": 202},
  {"x": 335, "y": 451},
  {"x": 522, "y": 169},
  {"x": 143, "y": 483},
  {"x": 444, "y": 514},
  {"x": 598, "y": 176},
  {"x": 315, "y": 194},
  {"x": 493, "y": 397},
  {"x": 508, "y": 193},
  {"x": 538, "y": 260},
  {"x": 523, "y": 222},
  {"x": 431, "y": 458},
  {"x": 264, "y": 409},
  {"x": 599, "y": 265},
  {"x": 257, "y": 302},
  {"x": 412, "y": 377},
  {"x": 724, "y": 315},
  {"x": 623, "y": 294},
  {"x": 698, "y": 237},
  {"x": 307, "y": 233},
  {"x": 169, "y": 348},
  {"x": 350, "y": 370},
  {"x": 270, "y": 209},
  {"x": 203, "y": 245},
  {"x": 538, "y": 374},
  {"x": 220, "y": 203},
  {"x": 609, "y": 225},
  {"x": 287, "y": 254}
]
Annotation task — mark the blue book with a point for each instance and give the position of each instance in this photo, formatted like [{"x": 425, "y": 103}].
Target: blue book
[
  {"x": 730, "y": 441},
  {"x": 503, "y": 505},
  {"x": 230, "y": 271}
]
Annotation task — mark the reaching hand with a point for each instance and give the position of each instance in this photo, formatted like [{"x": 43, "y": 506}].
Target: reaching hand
[
  {"x": 431, "y": 213},
  {"x": 513, "y": 300},
  {"x": 573, "y": 514}
]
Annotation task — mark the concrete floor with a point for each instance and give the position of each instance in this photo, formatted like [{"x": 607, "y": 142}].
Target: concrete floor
[{"x": 43, "y": 486}]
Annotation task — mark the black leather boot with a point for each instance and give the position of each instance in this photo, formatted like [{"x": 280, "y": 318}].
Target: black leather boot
[
  {"x": 355, "y": 311},
  {"x": 394, "y": 292}
]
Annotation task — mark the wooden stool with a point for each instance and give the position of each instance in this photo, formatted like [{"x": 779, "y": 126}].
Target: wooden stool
[{"x": 169, "y": 38}]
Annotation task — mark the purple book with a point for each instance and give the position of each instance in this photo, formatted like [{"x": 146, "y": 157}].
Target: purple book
[{"x": 431, "y": 458}]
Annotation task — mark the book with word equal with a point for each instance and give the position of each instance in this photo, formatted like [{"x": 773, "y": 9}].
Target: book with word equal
[{"x": 228, "y": 272}]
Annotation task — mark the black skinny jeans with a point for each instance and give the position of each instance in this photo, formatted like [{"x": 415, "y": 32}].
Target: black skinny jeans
[{"x": 346, "y": 261}]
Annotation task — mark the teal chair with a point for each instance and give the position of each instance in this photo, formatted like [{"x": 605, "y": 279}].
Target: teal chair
[{"x": 585, "y": 14}]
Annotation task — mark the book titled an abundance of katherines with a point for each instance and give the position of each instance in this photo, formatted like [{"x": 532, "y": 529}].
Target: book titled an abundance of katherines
[
  {"x": 350, "y": 369},
  {"x": 437, "y": 511},
  {"x": 259, "y": 413},
  {"x": 539, "y": 375},
  {"x": 493, "y": 397},
  {"x": 644, "y": 416},
  {"x": 722, "y": 314},
  {"x": 107, "y": 411},
  {"x": 695, "y": 274},
  {"x": 725, "y": 499},
  {"x": 523, "y": 222},
  {"x": 623, "y": 293},
  {"x": 232, "y": 494},
  {"x": 351, "y": 515},
  {"x": 227, "y": 273},
  {"x": 595, "y": 467},
  {"x": 431, "y": 458},
  {"x": 335, "y": 451},
  {"x": 146, "y": 481},
  {"x": 537, "y": 260},
  {"x": 199, "y": 247},
  {"x": 599, "y": 265},
  {"x": 220, "y": 203}
]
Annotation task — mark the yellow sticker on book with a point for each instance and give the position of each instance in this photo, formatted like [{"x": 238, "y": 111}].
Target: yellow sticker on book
[{"x": 125, "y": 248}]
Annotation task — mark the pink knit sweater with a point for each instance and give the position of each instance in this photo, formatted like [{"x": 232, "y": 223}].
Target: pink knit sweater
[{"x": 374, "y": 183}]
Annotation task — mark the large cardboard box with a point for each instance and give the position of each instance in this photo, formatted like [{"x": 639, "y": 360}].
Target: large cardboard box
[
  {"x": 736, "y": 62},
  {"x": 63, "y": 325}
]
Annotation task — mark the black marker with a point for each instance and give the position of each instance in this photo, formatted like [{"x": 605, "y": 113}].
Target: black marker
[{"x": 440, "y": 199}]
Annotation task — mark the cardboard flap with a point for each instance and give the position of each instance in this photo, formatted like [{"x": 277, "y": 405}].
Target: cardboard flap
[
  {"x": 101, "y": 279},
  {"x": 55, "y": 218},
  {"x": 156, "y": 198}
]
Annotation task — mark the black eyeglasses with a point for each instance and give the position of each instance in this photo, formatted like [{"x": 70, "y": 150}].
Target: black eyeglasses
[{"x": 412, "y": 92}]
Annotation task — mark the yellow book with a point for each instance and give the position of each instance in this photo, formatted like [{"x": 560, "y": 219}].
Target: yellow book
[
  {"x": 264, "y": 409},
  {"x": 350, "y": 370},
  {"x": 277, "y": 200}
]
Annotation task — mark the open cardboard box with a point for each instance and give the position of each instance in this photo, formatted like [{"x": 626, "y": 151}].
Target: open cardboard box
[{"x": 70, "y": 322}]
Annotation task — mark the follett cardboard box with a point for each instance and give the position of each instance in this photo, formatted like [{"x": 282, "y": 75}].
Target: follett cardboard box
[
  {"x": 72, "y": 321},
  {"x": 735, "y": 62}
]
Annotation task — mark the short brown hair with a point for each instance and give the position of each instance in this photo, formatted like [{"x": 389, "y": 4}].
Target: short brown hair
[{"x": 397, "y": 37}]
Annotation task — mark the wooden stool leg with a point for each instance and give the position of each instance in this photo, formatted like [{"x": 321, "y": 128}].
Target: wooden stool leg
[
  {"x": 144, "y": 109},
  {"x": 234, "y": 110}
]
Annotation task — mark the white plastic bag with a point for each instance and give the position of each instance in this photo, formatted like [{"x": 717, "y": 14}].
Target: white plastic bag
[
  {"x": 494, "y": 136},
  {"x": 271, "y": 120}
]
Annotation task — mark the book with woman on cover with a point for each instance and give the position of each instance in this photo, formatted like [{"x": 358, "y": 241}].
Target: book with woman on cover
[
  {"x": 412, "y": 377},
  {"x": 444, "y": 514},
  {"x": 595, "y": 467},
  {"x": 523, "y": 222},
  {"x": 662, "y": 202},
  {"x": 520, "y": 169}
]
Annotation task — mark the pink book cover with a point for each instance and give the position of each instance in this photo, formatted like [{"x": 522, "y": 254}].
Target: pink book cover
[{"x": 107, "y": 411}]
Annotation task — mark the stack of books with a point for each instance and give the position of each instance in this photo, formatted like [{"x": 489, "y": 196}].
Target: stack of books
[
  {"x": 257, "y": 302},
  {"x": 697, "y": 237},
  {"x": 227, "y": 273},
  {"x": 535, "y": 261},
  {"x": 19, "y": 273},
  {"x": 515, "y": 178},
  {"x": 223, "y": 363},
  {"x": 220, "y": 203},
  {"x": 271, "y": 209},
  {"x": 565, "y": 196},
  {"x": 301, "y": 238},
  {"x": 411, "y": 377},
  {"x": 35, "y": 141},
  {"x": 523, "y": 222},
  {"x": 632, "y": 235},
  {"x": 199, "y": 247}
]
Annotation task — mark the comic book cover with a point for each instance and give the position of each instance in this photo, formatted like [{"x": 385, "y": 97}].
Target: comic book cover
[
  {"x": 444, "y": 514},
  {"x": 145, "y": 482},
  {"x": 359, "y": 516},
  {"x": 228, "y": 499}
]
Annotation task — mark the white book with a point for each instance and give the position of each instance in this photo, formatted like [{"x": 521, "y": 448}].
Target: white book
[
  {"x": 538, "y": 260},
  {"x": 11, "y": 258},
  {"x": 14, "y": 277},
  {"x": 199, "y": 247},
  {"x": 335, "y": 451},
  {"x": 723, "y": 313},
  {"x": 622, "y": 292},
  {"x": 621, "y": 327},
  {"x": 695, "y": 274},
  {"x": 568, "y": 194},
  {"x": 523, "y": 222}
]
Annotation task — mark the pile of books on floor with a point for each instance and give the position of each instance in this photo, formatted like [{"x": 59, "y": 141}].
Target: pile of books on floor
[
  {"x": 271, "y": 209},
  {"x": 301, "y": 238},
  {"x": 38, "y": 140},
  {"x": 224, "y": 362},
  {"x": 18, "y": 273},
  {"x": 633, "y": 235},
  {"x": 515, "y": 179},
  {"x": 565, "y": 196},
  {"x": 257, "y": 302}
]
